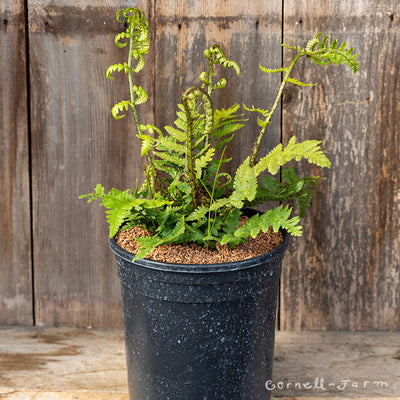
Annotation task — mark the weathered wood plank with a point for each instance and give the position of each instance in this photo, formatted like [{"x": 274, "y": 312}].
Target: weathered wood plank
[
  {"x": 337, "y": 364},
  {"x": 63, "y": 360},
  {"x": 345, "y": 271},
  {"x": 248, "y": 34},
  {"x": 75, "y": 145},
  {"x": 71, "y": 395},
  {"x": 29, "y": 395},
  {"x": 15, "y": 230},
  {"x": 48, "y": 363}
]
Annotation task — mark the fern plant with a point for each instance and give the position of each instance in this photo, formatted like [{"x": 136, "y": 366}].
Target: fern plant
[{"x": 184, "y": 196}]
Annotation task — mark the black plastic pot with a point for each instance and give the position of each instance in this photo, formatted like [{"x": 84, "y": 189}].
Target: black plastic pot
[{"x": 197, "y": 332}]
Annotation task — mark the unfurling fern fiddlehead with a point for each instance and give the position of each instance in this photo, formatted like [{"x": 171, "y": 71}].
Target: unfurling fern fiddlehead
[
  {"x": 138, "y": 34},
  {"x": 319, "y": 52},
  {"x": 216, "y": 56}
]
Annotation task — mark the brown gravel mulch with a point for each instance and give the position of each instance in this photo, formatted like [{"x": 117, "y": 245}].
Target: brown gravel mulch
[{"x": 195, "y": 254}]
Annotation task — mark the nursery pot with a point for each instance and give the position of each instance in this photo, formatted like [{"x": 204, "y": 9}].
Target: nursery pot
[{"x": 197, "y": 332}]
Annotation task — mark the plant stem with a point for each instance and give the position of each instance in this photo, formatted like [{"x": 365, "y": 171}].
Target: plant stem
[
  {"x": 130, "y": 78},
  {"x": 267, "y": 121},
  {"x": 210, "y": 77},
  {"x": 189, "y": 153},
  {"x": 148, "y": 176},
  {"x": 212, "y": 193}
]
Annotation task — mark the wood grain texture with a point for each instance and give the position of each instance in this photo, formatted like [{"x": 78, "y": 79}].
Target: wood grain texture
[
  {"x": 15, "y": 231},
  {"x": 75, "y": 145},
  {"x": 71, "y": 364},
  {"x": 344, "y": 273},
  {"x": 62, "y": 360},
  {"x": 248, "y": 34}
]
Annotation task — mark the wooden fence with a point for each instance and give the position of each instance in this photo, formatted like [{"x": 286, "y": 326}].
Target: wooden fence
[{"x": 58, "y": 140}]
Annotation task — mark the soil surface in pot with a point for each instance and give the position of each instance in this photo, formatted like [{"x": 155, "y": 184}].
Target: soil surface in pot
[{"x": 195, "y": 254}]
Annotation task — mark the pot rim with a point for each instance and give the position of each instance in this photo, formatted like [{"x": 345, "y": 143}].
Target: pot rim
[{"x": 270, "y": 256}]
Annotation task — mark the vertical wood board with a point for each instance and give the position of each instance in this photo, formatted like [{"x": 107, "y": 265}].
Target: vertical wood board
[
  {"x": 344, "y": 273},
  {"x": 15, "y": 228},
  {"x": 76, "y": 144},
  {"x": 247, "y": 32}
]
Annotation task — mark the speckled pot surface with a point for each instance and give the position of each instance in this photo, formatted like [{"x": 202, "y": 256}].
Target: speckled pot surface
[{"x": 197, "y": 332}]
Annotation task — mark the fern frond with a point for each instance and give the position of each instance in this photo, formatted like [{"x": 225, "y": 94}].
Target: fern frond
[
  {"x": 292, "y": 187},
  {"x": 286, "y": 46},
  {"x": 272, "y": 71},
  {"x": 177, "y": 134},
  {"x": 226, "y": 123},
  {"x": 276, "y": 218},
  {"x": 226, "y": 129},
  {"x": 141, "y": 94},
  {"x": 147, "y": 144},
  {"x": 167, "y": 157},
  {"x": 312, "y": 44},
  {"x": 140, "y": 64},
  {"x": 263, "y": 112},
  {"x": 298, "y": 83},
  {"x": 145, "y": 246},
  {"x": 119, "y": 205},
  {"x": 220, "y": 84},
  {"x": 244, "y": 184},
  {"x": 190, "y": 101},
  {"x": 321, "y": 53},
  {"x": 202, "y": 161},
  {"x": 168, "y": 143},
  {"x": 98, "y": 193},
  {"x": 222, "y": 203},
  {"x": 309, "y": 149},
  {"x": 198, "y": 214},
  {"x": 116, "y": 67},
  {"x": 220, "y": 58},
  {"x": 118, "y": 38},
  {"x": 226, "y": 114},
  {"x": 122, "y": 105}
]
